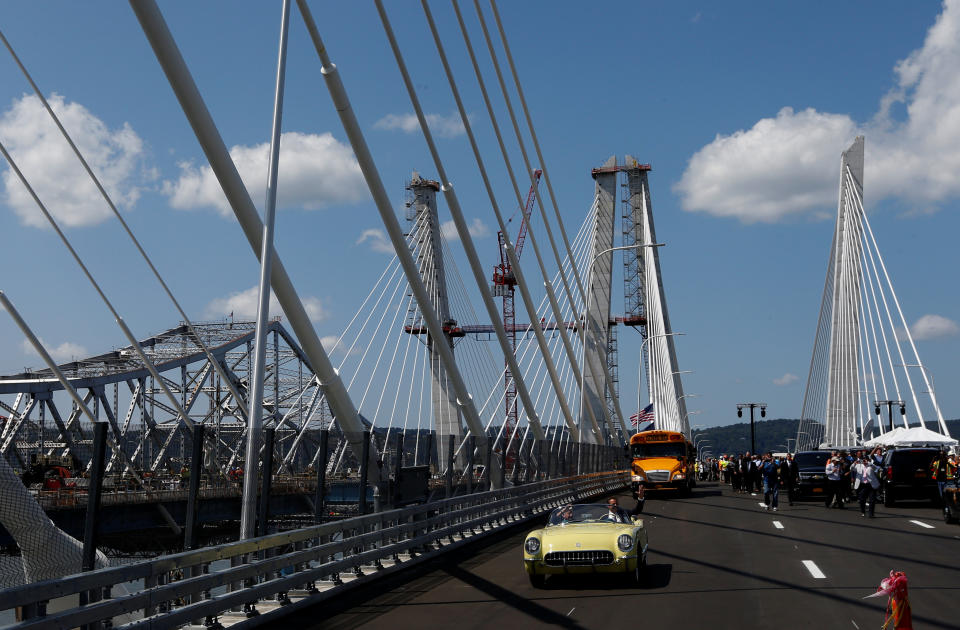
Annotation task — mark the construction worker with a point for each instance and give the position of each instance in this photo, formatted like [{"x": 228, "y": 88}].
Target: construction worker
[{"x": 938, "y": 471}]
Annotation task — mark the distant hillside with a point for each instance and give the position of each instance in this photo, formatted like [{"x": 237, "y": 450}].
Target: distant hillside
[{"x": 771, "y": 435}]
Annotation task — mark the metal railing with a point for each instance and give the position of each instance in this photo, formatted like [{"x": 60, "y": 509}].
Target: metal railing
[{"x": 276, "y": 574}]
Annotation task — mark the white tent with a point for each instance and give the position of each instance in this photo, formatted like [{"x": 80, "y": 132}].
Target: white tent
[
  {"x": 921, "y": 436},
  {"x": 887, "y": 439},
  {"x": 914, "y": 436}
]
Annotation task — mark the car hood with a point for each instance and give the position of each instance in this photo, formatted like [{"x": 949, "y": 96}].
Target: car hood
[
  {"x": 658, "y": 463},
  {"x": 588, "y": 535}
]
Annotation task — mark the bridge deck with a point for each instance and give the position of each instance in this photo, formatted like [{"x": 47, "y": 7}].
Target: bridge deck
[{"x": 716, "y": 560}]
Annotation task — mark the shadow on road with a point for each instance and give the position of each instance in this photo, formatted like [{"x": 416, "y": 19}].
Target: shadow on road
[
  {"x": 537, "y": 612},
  {"x": 655, "y": 576}
]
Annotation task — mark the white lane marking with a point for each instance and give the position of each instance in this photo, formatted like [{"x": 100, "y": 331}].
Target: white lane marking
[
  {"x": 814, "y": 569},
  {"x": 762, "y": 504},
  {"x": 922, "y": 524},
  {"x": 855, "y": 624},
  {"x": 778, "y": 524},
  {"x": 571, "y": 611}
]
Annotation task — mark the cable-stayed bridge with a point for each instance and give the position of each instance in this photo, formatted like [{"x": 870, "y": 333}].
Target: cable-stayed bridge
[
  {"x": 191, "y": 400},
  {"x": 507, "y": 432},
  {"x": 865, "y": 367}
]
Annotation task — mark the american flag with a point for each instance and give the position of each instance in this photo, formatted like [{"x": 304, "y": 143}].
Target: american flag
[{"x": 646, "y": 415}]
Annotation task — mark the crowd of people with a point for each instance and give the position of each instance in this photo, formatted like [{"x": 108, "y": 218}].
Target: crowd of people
[
  {"x": 754, "y": 473},
  {"x": 850, "y": 475}
]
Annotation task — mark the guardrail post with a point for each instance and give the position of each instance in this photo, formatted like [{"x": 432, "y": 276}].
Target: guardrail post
[
  {"x": 193, "y": 494},
  {"x": 537, "y": 458},
  {"x": 503, "y": 469},
  {"x": 488, "y": 483},
  {"x": 470, "y": 445},
  {"x": 526, "y": 468},
  {"x": 364, "y": 471},
  {"x": 552, "y": 460},
  {"x": 92, "y": 522},
  {"x": 398, "y": 466},
  {"x": 267, "y": 476},
  {"x": 449, "y": 476},
  {"x": 515, "y": 475},
  {"x": 320, "y": 496},
  {"x": 429, "y": 458}
]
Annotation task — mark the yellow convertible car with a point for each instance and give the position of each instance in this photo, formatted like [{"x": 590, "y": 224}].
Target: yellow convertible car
[{"x": 586, "y": 539}]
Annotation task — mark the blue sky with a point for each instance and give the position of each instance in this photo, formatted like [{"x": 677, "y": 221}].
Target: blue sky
[{"x": 742, "y": 109}]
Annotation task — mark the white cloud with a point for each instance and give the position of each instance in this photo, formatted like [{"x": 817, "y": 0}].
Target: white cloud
[
  {"x": 443, "y": 126},
  {"x": 48, "y": 162},
  {"x": 66, "y": 351},
  {"x": 314, "y": 171},
  {"x": 476, "y": 227},
  {"x": 329, "y": 343},
  {"x": 789, "y": 165},
  {"x": 786, "y": 379},
  {"x": 378, "y": 241},
  {"x": 934, "y": 327},
  {"x": 243, "y": 305}
]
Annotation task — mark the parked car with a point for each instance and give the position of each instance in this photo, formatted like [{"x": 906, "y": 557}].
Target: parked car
[
  {"x": 582, "y": 539},
  {"x": 812, "y": 480},
  {"x": 906, "y": 475}
]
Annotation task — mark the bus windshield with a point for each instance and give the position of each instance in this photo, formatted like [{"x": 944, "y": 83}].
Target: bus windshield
[{"x": 659, "y": 449}]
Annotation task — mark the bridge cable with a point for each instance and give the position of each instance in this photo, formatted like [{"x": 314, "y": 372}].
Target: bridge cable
[
  {"x": 120, "y": 322},
  {"x": 599, "y": 368},
  {"x": 96, "y": 181},
  {"x": 506, "y": 158}
]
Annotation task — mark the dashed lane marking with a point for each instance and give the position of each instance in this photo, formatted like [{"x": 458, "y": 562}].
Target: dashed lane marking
[
  {"x": 778, "y": 524},
  {"x": 571, "y": 611},
  {"x": 814, "y": 569},
  {"x": 922, "y": 524}
]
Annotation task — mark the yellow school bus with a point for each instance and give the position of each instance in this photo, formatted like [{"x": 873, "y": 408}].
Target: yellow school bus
[{"x": 662, "y": 460}]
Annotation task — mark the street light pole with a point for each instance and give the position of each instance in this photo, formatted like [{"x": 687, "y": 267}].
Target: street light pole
[
  {"x": 763, "y": 414},
  {"x": 586, "y": 307},
  {"x": 889, "y": 404},
  {"x": 702, "y": 445},
  {"x": 663, "y": 381}
]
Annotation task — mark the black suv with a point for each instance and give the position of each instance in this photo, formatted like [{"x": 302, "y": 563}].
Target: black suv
[
  {"x": 906, "y": 475},
  {"x": 812, "y": 481}
]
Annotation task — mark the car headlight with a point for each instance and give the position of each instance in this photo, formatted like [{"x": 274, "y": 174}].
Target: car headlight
[
  {"x": 678, "y": 475},
  {"x": 532, "y": 545},
  {"x": 636, "y": 478},
  {"x": 625, "y": 542}
]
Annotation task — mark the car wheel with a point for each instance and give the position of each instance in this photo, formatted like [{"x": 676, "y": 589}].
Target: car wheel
[
  {"x": 537, "y": 581},
  {"x": 888, "y": 499}
]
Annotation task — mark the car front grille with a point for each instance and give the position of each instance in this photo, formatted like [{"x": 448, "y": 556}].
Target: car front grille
[
  {"x": 658, "y": 476},
  {"x": 587, "y": 558}
]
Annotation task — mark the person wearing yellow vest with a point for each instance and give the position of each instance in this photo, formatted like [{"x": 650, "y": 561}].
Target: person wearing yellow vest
[{"x": 938, "y": 471}]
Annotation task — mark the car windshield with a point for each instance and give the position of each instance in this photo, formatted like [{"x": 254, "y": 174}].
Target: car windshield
[
  {"x": 659, "y": 449},
  {"x": 812, "y": 460},
  {"x": 579, "y": 514}
]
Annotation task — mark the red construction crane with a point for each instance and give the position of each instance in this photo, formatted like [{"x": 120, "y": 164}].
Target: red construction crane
[{"x": 503, "y": 286}]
